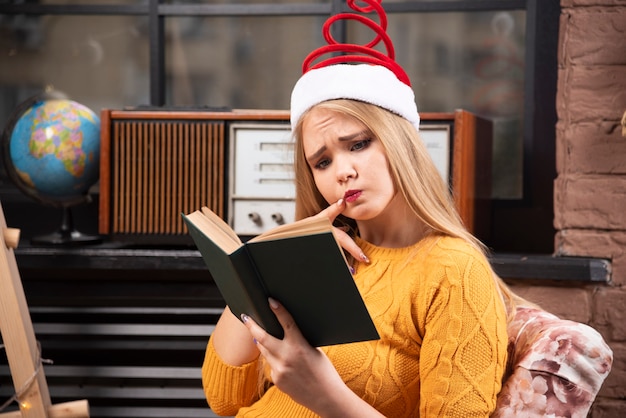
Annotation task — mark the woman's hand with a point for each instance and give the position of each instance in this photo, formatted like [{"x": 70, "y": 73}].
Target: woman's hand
[
  {"x": 347, "y": 243},
  {"x": 299, "y": 370},
  {"x": 304, "y": 372}
]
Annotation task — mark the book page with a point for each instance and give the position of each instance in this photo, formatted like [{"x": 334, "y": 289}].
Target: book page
[
  {"x": 307, "y": 226},
  {"x": 215, "y": 232},
  {"x": 219, "y": 222}
]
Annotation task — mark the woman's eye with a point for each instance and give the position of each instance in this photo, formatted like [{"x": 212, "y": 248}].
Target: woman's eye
[
  {"x": 360, "y": 145},
  {"x": 322, "y": 164}
]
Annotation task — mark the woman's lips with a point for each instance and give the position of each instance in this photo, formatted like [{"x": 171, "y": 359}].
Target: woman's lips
[{"x": 351, "y": 195}]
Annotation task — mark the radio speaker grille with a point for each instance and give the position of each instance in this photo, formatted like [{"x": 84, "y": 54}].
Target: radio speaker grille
[{"x": 160, "y": 169}]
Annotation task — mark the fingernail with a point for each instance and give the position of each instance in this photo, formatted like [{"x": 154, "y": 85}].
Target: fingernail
[
  {"x": 364, "y": 258},
  {"x": 255, "y": 341},
  {"x": 340, "y": 202},
  {"x": 244, "y": 318},
  {"x": 352, "y": 270},
  {"x": 273, "y": 303}
]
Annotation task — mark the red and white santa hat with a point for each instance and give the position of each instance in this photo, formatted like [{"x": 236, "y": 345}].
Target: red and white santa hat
[{"x": 359, "y": 72}]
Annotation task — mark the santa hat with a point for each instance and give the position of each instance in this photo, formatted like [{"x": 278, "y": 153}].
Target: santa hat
[{"x": 358, "y": 73}]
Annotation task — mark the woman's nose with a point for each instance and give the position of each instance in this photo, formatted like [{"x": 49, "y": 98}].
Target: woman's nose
[{"x": 345, "y": 171}]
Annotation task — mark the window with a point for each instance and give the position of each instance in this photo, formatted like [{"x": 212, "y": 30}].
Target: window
[{"x": 496, "y": 58}]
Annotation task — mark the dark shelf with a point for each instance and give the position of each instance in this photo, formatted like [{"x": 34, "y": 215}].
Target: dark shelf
[
  {"x": 547, "y": 267},
  {"x": 118, "y": 256}
]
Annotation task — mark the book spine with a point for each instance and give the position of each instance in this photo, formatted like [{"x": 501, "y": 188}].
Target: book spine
[{"x": 256, "y": 291}]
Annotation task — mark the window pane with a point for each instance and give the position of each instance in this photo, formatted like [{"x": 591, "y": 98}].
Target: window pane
[
  {"x": 241, "y": 2},
  {"x": 97, "y": 61},
  {"x": 75, "y": 2},
  {"x": 89, "y": 2},
  {"x": 473, "y": 61},
  {"x": 238, "y": 62},
  {"x": 469, "y": 60}
]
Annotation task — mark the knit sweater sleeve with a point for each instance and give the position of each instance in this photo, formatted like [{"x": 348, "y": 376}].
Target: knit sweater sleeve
[
  {"x": 228, "y": 388},
  {"x": 464, "y": 338}
]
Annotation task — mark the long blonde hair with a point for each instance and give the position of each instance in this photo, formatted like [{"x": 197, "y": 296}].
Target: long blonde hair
[
  {"x": 413, "y": 172},
  {"x": 414, "y": 175}
]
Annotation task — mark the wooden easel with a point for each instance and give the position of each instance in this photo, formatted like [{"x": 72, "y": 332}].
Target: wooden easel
[{"x": 20, "y": 344}]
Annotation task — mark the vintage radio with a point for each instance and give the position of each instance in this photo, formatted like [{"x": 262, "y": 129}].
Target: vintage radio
[{"x": 157, "y": 164}]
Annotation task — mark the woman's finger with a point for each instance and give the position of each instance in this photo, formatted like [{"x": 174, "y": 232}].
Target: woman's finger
[
  {"x": 346, "y": 242},
  {"x": 333, "y": 210},
  {"x": 261, "y": 337},
  {"x": 292, "y": 332}
]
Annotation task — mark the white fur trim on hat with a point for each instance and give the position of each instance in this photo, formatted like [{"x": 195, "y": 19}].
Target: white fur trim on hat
[{"x": 372, "y": 84}]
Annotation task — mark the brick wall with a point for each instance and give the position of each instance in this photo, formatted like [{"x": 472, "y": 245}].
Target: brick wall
[{"x": 590, "y": 189}]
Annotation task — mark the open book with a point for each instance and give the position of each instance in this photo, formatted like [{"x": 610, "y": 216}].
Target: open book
[{"x": 299, "y": 264}]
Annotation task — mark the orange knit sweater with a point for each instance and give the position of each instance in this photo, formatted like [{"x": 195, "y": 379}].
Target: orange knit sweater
[{"x": 443, "y": 341}]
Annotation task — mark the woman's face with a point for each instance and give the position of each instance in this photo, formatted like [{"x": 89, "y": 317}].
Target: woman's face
[{"x": 347, "y": 162}]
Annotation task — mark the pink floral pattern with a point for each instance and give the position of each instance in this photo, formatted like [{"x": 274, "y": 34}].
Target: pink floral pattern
[{"x": 556, "y": 367}]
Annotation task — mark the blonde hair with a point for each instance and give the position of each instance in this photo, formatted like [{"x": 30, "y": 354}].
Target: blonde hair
[{"x": 413, "y": 173}]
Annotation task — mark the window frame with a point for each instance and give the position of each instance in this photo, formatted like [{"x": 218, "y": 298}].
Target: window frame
[{"x": 510, "y": 218}]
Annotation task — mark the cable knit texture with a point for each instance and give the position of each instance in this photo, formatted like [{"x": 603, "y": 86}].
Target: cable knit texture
[{"x": 443, "y": 344}]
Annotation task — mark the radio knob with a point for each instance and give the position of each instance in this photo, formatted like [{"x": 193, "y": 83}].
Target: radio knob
[
  {"x": 278, "y": 218},
  {"x": 256, "y": 218}
]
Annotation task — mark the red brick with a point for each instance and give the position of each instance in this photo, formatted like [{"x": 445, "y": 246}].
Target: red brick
[
  {"x": 591, "y": 148},
  {"x": 607, "y": 408},
  {"x": 591, "y": 93},
  {"x": 593, "y": 36},
  {"x": 566, "y": 302},
  {"x": 610, "y": 313},
  {"x": 590, "y": 202},
  {"x": 591, "y": 99},
  {"x": 589, "y": 243}
]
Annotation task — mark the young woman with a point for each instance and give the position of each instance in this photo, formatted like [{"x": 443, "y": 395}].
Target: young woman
[{"x": 439, "y": 308}]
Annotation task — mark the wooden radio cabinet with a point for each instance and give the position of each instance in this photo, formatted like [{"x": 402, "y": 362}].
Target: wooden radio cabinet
[{"x": 157, "y": 164}]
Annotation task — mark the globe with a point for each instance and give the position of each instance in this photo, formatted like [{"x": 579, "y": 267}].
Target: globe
[{"x": 52, "y": 151}]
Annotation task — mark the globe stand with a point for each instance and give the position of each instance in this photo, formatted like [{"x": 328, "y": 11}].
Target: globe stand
[{"x": 66, "y": 234}]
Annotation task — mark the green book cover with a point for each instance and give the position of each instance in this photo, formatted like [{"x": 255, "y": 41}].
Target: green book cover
[{"x": 303, "y": 268}]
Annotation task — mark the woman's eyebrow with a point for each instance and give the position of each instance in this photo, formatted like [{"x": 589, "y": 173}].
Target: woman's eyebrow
[
  {"x": 352, "y": 136},
  {"x": 311, "y": 158}
]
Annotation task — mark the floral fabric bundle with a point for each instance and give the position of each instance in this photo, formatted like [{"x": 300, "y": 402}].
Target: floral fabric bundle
[{"x": 556, "y": 367}]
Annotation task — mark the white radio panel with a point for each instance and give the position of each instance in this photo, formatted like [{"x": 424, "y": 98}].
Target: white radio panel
[
  {"x": 263, "y": 161},
  {"x": 262, "y": 189},
  {"x": 437, "y": 141}
]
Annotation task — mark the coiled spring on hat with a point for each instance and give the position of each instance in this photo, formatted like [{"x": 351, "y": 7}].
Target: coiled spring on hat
[{"x": 354, "y": 53}]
